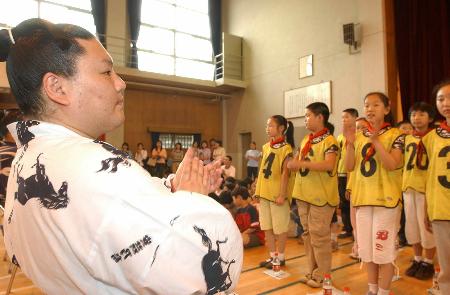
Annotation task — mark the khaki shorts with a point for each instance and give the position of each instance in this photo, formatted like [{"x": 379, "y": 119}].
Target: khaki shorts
[{"x": 274, "y": 217}]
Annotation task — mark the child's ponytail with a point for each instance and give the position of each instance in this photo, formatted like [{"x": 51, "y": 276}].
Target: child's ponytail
[{"x": 290, "y": 134}]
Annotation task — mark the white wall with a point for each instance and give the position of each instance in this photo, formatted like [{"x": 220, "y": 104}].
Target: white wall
[{"x": 276, "y": 34}]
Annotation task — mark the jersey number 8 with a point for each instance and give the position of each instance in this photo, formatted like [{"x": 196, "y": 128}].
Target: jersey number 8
[{"x": 371, "y": 161}]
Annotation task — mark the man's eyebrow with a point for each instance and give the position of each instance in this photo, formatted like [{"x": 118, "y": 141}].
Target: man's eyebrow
[{"x": 107, "y": 61}]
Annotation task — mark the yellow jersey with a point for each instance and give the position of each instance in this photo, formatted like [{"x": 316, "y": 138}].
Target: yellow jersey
[
  {"x": 372, "y": 184},
  {"x": 437, "y": 185},
  {"x": 318, "y": 187},
  {"x": 413, "y": 173},
  {"x": 269, "y": 176},
  {"x": 343, "y": 149}
]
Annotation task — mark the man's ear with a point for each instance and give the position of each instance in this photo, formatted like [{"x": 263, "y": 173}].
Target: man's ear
[{"x": 55, "y": 87}]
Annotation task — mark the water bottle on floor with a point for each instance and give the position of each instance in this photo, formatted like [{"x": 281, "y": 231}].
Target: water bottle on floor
[
  {"x": 327, "y": 287},
  {"x": 276, "y": 263},
  {"x": 434, "y": 290}
]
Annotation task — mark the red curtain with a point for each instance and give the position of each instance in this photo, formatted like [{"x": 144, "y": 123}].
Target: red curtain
[{"x": 422, "y": 33}]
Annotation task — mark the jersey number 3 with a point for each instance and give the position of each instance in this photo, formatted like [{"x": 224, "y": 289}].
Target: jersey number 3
[{"x": 443, "y": 178}]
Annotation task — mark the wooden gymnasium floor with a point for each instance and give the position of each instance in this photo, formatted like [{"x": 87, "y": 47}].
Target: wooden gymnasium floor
[{"x": 346, "y": 272}]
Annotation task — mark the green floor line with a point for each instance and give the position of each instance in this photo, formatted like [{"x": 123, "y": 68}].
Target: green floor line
[
  {"x": 289, "y": 259},
  {"x": 298, "y": 282}
]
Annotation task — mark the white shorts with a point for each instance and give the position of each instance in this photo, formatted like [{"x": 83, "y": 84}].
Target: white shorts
[
  {"x": 377, "y": 232},
  {"x": 415, "y": 226}
]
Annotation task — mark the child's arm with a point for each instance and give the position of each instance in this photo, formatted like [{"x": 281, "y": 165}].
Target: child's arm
[
  {"x": 390, "y": 160},
  {"x": 294, "y": 163},
  {"x": 326, "y": 165},
  {"x": 348, "y": 188},
  {"x": 284, "y": 181},
  {"x": 350, "y": 137}
]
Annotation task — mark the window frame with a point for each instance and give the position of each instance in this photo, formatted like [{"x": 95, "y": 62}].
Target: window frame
[
  {"x": 69, "y": 7},
  {"x": 173, "y": 139},
  {"x": 174, "y": 56}
]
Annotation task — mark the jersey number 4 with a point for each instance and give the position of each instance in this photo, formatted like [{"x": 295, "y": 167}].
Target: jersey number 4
[{"x": 268, "y": 165}]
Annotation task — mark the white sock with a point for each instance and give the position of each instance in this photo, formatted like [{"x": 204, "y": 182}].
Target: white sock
[
  {"x": 373, "y": 288},
  {"x": 382, "y": 292},
  {"x": 418, "y": 258},
  {"x": 430, "y": 261},
  {"x": 272, "y": 254},
  {"x": 281, "y": 256}
]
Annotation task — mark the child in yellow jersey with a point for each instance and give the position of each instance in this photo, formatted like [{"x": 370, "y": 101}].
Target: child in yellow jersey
[
  {"x": 421, "y": 116},
  {"x": 437, "y": 187},
  {"x": 272, "y": 187},
  {"x": 405, "y": 127},
  {"x": 361, "y": 123},
  {"x": 375, "y": 156},
  {"x": 316, "y": 190},
  {"x": 349, "y": 116}
]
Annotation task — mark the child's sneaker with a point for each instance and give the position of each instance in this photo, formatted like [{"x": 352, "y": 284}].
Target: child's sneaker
[
  {"x": 266, "y": 262},
  {"x": 354, "y": 256},
  {"x": 413, "y": 268},
  {"x": 304, "y": 279},
  {"x": 270, "y": 266},
  {"x": 425, "y": 271},
  {"x": 313, "y": 283}
]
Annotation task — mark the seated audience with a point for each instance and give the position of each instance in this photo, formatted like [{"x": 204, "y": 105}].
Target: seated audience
[
  {"x": 228, "y": 170},
  {"x": 247, "y": 219}
]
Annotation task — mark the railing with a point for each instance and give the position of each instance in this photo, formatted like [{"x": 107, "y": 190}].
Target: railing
[{"x": 228, "y": 66}]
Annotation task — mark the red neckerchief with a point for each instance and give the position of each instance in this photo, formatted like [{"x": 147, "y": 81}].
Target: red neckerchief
[
  {"x": 444, "y": 126},
  {"x": 371, "y": 150},
  {"x": 420, "y": 146},
  {"x": 312, "y": 136},
  {"x": 420, "y": 134},
  {"x": 276, "y": 141}
]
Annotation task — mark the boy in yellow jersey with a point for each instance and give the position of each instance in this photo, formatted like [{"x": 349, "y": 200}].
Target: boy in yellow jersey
[
  {"x": 349, "y": 116},
  {"x": 421, "y": 115},
  {"x": 272, "y": 187},
  {"x": 361, "y": 123},
  {"x": 316, "y": 190},
  {"x": 376, "y": 155},
  {"x": 437, "y": 187},
  {"x": 405, "y": 128}
]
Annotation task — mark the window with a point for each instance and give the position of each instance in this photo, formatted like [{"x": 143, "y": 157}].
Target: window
[
  {"x": 76, "y": 12},
  {"x": 174, "y": 38},
  {"x": 169, "y": 140}
]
